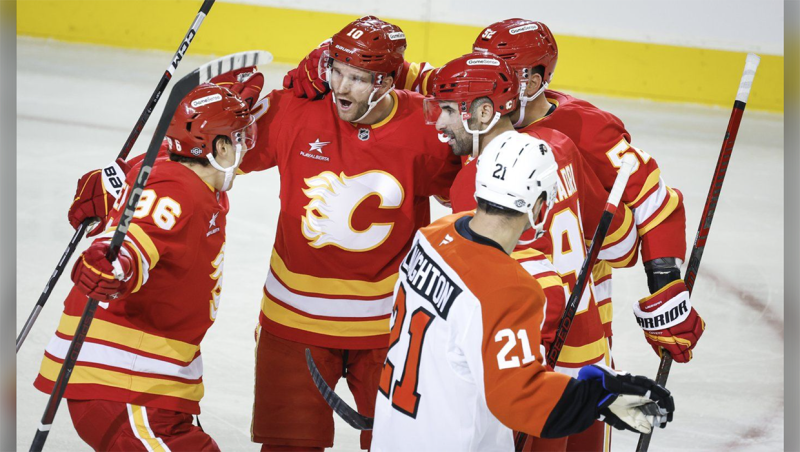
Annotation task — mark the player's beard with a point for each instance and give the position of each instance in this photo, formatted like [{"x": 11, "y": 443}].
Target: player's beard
[
  {"x": 460, "y": 142},
  {"x": 356, "y": 110}
]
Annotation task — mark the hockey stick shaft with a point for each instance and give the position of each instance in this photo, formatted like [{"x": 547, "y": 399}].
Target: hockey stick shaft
[
  {"x": 200, "y": 75},
  {"x": 85, "y": 322},
  {"x": 750, "y": 67},
  {"x": 584, "y": 276},
  {"x": 339, "y": 406},
  {"x": 571, "y": 308}
]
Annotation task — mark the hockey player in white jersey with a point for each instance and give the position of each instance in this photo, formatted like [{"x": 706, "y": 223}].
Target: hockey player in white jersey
[{"x": 464, "y": 365}]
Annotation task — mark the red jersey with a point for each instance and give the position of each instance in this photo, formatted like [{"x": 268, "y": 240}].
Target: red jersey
[
  {"x": 602, "y": 140},
  {"x": 352, "y": 197},
  {"x": 556, "y": 258},
  {"x": 145, "y": 348}
]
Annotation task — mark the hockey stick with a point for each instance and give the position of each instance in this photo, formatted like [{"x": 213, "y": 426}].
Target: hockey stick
[
  {"x": 571, "y": 308},
  {"x": 200, "y": 75},
  {"x": 82, "y": 330},
  {"x": 750, "y": 66},
  {"x": 340, "y": 407}
]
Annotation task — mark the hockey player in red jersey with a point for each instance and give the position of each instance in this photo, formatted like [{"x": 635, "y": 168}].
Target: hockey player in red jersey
[
  {"x": 467, "y": 92},
  {"x": 357, "y": 172},
  {"x": 138, "y": 379},
  {"x": 530, "y": 49},
  {"x": 463, "y": 368}
]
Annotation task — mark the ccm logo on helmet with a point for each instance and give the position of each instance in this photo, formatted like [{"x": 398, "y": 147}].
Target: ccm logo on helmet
[
  {"x": 483, "y": 61},
  {"x": 523, "y": 29},
  {"x": 206, "y": 100},
  {"x": 397, "y": 35}
]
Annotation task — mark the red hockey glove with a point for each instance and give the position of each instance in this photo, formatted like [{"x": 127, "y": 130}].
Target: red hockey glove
[
  {"x": 247, "y": 82},
  {"x": 669, "y": 321},
  {"x": 96, "y": 193},
  {"x": 93, "y": 273},
  {"x": 304, "y": 80}
]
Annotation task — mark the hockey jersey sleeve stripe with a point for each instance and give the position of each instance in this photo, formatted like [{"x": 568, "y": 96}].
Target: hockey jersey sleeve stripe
[
  {"x": 111, "y": 356},
  {"x": 411, "y": 75},
  {"x": 330, "y": 286},
  {"x": 621, "y": 249},
  {"x": 670, "y": 204},
  {"x": 582, "y": 354},
  {"x": 526, "y": 254},
  {"x": 620, "y": 233},
  {"x": 653, "y": 179},
  {"x": 146, "y": 385},
  {"x": 142, "y": 241},
  {"x": 327, "y": 308},
  {"x": 129, "y": 337},
  {"x": 606, "y": 312},
  {"x": 283, "y": 316}
]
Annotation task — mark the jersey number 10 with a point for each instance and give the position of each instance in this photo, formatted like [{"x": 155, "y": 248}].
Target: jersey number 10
[{"x": 404, "y": 395}]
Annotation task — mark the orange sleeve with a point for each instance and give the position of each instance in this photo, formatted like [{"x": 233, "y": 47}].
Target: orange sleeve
[{"x": 519, "y": 391}]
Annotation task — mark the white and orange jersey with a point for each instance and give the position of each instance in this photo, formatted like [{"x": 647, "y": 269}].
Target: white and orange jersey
[
  {"x": 352, "y": 197},
  {"x": 464, "y": 367},
  {"x": 556, "y": 258},
  {"x": 145, "y": 348}
]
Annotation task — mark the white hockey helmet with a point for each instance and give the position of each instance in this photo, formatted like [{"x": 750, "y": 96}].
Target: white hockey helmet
[{"x": 514, "y": 171}]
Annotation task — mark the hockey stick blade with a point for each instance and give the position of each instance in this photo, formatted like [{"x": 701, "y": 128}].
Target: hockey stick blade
[{"x": 339, "y": 406}]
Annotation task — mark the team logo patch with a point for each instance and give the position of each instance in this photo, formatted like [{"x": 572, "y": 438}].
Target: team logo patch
[
  {"x": 363, "y": 134},
  {"x": 483, "y": 62},
  {"x": 519, "y": 203},
  {"x": 196, "y": 151},
  {"x": 206, "y": 100},
  {"x": 315, "y": 150},
  {"x": 523, "y": 29}
]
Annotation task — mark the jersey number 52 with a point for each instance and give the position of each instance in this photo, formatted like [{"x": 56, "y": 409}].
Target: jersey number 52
[{"x": 403, "y": 392}]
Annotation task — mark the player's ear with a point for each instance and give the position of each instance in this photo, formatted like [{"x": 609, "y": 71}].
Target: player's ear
[
  {"x": 534, "y": 83},
  {"x": 386, "y": 85},
  {"x": 222, "y": 146},
  {"x": 486, "y": 112}
]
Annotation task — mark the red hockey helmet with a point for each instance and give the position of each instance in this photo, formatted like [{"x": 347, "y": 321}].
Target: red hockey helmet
[
  {"x": 471, "y": 77},
  {"x": 523, "y": 44},
  {"x": 205, "y": 113},
  {"x": 369, "y": 44}
]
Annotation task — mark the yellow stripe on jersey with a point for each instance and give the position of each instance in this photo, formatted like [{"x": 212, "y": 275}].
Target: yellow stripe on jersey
[
  {"x": 142, "y": 429},
  {"x": 386, "y": 120},
  {"x": 549, "y": 281},
  {"x": 649, "y": 183},
  {"x": 601, "y": 270},
  {"x": 625, "y": 262},
  {"x": 129, "y": 337},
  {"x": 672, "y": 204},
  {"x": 606, "y": 312},
  {"x": 92, "y": 375},
  {"x": 340, "y": 328},
  {"x": 411, "y": 75},
  {"x": 623, "y": 230},
  {"x": 526, "y": 254},
  {"x": 140, "y": 273},
  {"x": 588, "y": 352},
  {"x": 423, "y": 87},
  {"x": 144, "y": 240},
  {"x": 330, "y": 286}
]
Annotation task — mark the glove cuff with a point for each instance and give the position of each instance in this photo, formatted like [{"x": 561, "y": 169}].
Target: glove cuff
[{"x": 670, "y": 306}]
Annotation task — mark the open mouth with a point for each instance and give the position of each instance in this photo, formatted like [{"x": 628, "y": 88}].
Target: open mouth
[{"x": 345, "y": 104}]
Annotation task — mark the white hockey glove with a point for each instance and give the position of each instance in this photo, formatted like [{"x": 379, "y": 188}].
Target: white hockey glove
[{"x": 631, "y": 402}]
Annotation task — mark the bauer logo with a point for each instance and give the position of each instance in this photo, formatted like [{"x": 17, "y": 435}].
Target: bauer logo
[
  {"x": 206, "y": 100},
  {"x": 429, "y": 281},
  {"x": 396, "y": 36},
  {"x": 350, "y": 51},
  {"x": 523, "y": 29},
  {"x": 482, "y": 62}
]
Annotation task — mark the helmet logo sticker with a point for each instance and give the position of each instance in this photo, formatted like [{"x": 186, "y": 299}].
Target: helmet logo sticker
[
  {"x": 350, "y": 51},
  {"x": 397, "y": 35},
  {"x": 483, "y": 62},
  {"x": 519, "y": 203},
  {"x": 363, "y": 134},
  {"x": 523, "y": 29},
  {"x": 196, "y": 151},
  {"x": 206, "y": 100},
  {"x": 543, "y": 148}
]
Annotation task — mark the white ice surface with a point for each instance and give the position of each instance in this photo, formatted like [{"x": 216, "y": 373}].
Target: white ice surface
[{"x": 77, "y": 104}]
